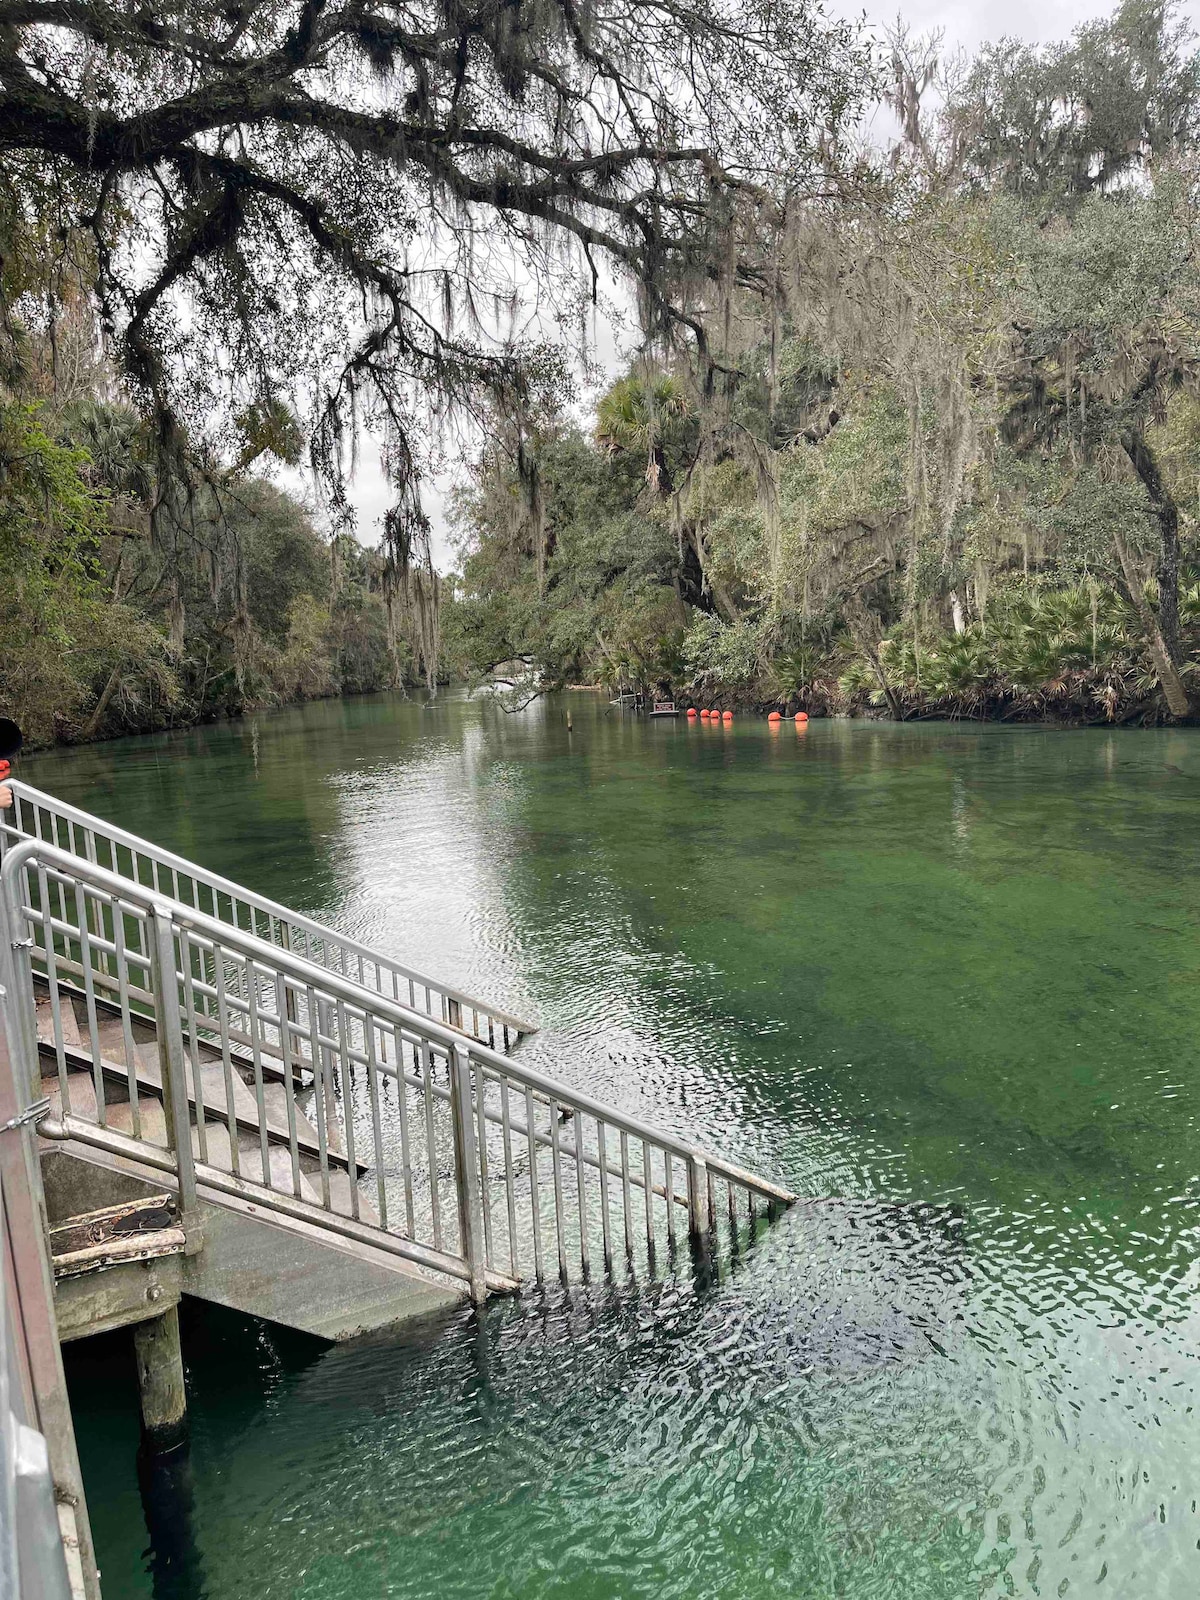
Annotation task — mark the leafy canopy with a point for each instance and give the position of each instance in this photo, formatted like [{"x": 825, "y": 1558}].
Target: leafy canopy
[{"x": 385, "y": 210}]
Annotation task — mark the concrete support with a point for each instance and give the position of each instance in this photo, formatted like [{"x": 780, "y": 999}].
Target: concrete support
[
  {"x": 253, "y": 1261},
  {"x": 160, "y": 1382}
]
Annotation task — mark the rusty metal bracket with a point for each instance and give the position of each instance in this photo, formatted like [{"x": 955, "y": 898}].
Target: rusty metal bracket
[{"x": 33, "y": 1113}]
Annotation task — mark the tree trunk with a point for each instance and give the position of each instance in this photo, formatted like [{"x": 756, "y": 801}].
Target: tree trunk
[
  {"x": 693, "y": 581},
  {"x": 176, "y": 617},
  {"x": 658, "y": 473},
  {"x": 889, "y": 694},
  {"x": 695, "y": 586},
  {"x": 1145, "y": 464},
  {"x": 722, "y": 603},
  {"x": 1168, "y": 673},
  {"x": 864, "y": 628},
  {"x": 110, "y": 688}
]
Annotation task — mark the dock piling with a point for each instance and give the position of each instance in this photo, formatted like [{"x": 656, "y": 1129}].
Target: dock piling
[{"x": 160, "y": 1382}]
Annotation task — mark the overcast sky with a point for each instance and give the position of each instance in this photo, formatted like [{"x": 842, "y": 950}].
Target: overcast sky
[{"x": 964, "y": 25}]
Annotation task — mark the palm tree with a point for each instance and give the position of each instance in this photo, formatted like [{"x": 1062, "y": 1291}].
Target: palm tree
[{"x": 635, "y": 414}]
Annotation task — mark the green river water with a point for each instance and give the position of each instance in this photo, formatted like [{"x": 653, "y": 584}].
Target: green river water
[{"x": 942, "y": 979}]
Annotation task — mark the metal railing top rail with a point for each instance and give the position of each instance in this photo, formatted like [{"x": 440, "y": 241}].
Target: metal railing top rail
[
  {"x": 378, "y": 1005},
  {"x": 25, "y": 795}
]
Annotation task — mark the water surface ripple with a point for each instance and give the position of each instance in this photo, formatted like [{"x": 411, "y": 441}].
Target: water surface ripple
[{"x": 943, "y": 980}]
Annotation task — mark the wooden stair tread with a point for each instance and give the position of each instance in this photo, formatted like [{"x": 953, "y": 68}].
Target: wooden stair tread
[
  {"x": 151, "y": 1113},
  {"x": 213, "y": 1089},
  {"x": 152, "y": 1119},
  {"x": 108, "y": 1011},
  {"x": 111, "y": 1035},
  {"x": 119, "y": 1117},
  {"x": 275, "y": 1097},
  {"x": 115, "y": 1252},
  {"x": 144, "y": 1214},
  {"x": 148, "y": 1076},
  {"x": 218, "y": 1154},
  {"x": 68, "y": 1022}
]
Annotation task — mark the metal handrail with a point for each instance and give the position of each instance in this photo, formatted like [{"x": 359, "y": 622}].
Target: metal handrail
[
  {"x": 267, "y": 1010},
  {"x": 457, "y": 1008}
]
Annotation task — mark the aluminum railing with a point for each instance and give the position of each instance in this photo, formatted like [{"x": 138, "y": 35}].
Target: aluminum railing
[
  {"x": 36, "y": 815},
  {"x": 287, "y": 1083},
  {"x": 32, "y": 1561}
]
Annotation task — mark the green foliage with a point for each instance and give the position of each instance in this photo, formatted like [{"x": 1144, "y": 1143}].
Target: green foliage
[
  {"x": 723, "y": 658},
  {"x": 90, "y": 654},
  {"x": 638, "y": 412},
  {"x": 50, "y": 587},
  {"x": 305, "y": 666},
  {"x": 973, "y": 410},
  {"x": 1037, "y": 652},
  {"x": 1073, "y": 118},
  {"x": 604, "y": 608},
  {"x": 949, "y": 463}
]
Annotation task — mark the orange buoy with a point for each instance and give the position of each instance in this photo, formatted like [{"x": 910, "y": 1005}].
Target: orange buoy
[
  {"x": 802, "y": 716},
  {"x": 727, "y": 716},
  {"x": 775, "y": 716},
  {"x": 691, "y": 711}
]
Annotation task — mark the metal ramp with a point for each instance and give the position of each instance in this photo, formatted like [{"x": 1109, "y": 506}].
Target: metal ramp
[{"x": 239, "y": 1056}]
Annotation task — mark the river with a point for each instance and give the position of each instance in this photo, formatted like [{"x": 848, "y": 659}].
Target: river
[{"x": 943, "y": 980}]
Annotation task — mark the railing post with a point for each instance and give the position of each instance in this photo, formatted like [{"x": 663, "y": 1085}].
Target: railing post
[
  {"x": 466, "y": 1167},
  {"x": 697, "y": 1185},
  {"x": 173, "y": 1068},
  {"x": 16, "y": 975},
  {"x": 323, "y": 1074}
]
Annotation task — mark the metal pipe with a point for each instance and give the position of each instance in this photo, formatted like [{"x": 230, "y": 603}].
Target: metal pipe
[
  {"x": 174, "y": 1081},
  {"x": 466, "y": 1156}
]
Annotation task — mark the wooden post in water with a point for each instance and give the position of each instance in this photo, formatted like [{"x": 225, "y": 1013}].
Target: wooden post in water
[{"x": 160, "y": 1382}]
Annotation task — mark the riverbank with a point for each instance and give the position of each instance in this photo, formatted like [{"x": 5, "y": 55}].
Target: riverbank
[
  {"x": 1062, "y": 710},
  {"x": 213, "y": 718}
]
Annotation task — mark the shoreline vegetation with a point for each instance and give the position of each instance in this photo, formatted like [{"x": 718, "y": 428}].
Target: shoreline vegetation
[
  {"x": 958, "y": 472},
  {"x": 910, "y": 432},
  {"x": 109, "y": 632}
]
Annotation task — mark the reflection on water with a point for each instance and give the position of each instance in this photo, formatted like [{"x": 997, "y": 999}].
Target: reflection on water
[{"x": 943, "y": 980}]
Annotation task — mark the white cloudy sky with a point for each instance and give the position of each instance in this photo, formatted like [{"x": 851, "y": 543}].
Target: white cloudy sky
[{"x": 964, "y": 25}]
